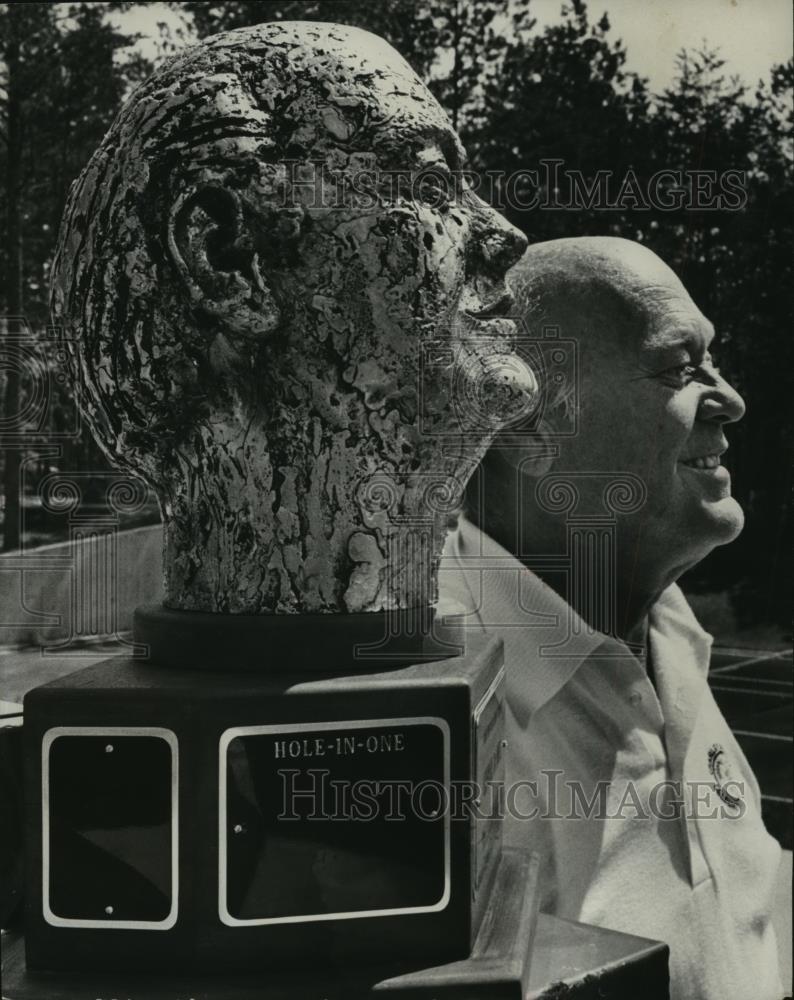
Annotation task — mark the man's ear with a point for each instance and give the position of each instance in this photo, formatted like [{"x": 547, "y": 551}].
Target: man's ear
[{"x": 214, "y": 253}]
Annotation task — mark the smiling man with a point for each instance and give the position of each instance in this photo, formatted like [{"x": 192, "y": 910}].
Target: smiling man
[{"x": 624, "y": 774}]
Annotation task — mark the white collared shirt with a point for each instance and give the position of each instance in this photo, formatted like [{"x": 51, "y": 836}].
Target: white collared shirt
[{"x": 611, "y": 756}]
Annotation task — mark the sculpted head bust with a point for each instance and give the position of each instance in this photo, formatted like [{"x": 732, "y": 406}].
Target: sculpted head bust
[{"x": 287, "y": 345}]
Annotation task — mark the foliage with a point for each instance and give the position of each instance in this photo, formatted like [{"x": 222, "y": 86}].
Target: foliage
[
  {"x": 72, "y": 84},
  {"x": 408, "y": 27},
  {"x": 561, "y": 95},
  {"x": 63, "y": 79}
]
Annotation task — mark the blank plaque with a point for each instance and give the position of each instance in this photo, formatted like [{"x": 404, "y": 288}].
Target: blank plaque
[{"x": 110, "y": 827}]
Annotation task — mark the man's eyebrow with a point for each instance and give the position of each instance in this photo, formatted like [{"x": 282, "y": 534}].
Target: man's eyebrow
[
  {"x": 679, "y": 344},
  {"x": 696, "y": 344}
]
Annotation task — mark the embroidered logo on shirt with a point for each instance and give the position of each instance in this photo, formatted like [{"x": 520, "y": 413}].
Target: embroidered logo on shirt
[{"x": 720, "y": 769}]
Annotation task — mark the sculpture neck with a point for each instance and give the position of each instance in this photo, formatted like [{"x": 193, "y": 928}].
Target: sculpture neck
[{"x": 246, "y": 536}]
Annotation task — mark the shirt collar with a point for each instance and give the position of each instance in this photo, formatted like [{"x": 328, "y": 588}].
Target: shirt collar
[
  {"x": 671, "y": 620},
  {"x": 678, "y": 644},
  {"x": 545, "y": 639}
]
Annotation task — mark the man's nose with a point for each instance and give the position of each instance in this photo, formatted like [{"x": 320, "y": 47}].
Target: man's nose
[
  {"x": 495, "y": 243},
  {"x": 722, "y": 402}
]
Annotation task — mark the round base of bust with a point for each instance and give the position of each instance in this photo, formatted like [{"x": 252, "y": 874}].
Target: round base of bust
[{"x": 313, "y": 643}]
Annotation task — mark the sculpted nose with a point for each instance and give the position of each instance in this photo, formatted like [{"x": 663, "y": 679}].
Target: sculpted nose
[
  {"x": 722, "y": 403},
  {"x": 496, "y": 243}
]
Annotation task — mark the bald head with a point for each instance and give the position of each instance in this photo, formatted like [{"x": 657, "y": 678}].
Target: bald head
[{"x": 586, "y": 284}]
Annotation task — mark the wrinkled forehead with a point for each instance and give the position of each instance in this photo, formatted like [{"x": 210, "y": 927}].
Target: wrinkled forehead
[
  {"x": 668, "y": 319},
  {"x": 327, "y": 81},
  {"x": 615, "y": 296},
  {"x": 644, "y": 306}
]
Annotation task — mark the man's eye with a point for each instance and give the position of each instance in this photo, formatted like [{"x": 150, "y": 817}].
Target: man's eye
[{"x": 679, "y": 375}]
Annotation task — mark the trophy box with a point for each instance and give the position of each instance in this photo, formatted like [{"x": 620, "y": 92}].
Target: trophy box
[{"x": 252, "y": 794}]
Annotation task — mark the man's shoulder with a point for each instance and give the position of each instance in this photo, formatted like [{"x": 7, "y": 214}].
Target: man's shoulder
[
  {"x": 469, "y": 553},
  {"x": 545, "y": 641}
]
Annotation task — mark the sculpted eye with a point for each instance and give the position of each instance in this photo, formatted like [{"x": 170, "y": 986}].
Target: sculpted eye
[{"x": 435, "y": 186}]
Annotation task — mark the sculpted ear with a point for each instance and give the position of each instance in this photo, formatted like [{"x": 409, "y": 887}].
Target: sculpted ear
[{"x": 215, "y": 255}]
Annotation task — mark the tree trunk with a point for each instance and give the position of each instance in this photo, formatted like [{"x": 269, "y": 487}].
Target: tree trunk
[
  {"x": 13, "y": 452},
  {"x": 456, "y": 43}
]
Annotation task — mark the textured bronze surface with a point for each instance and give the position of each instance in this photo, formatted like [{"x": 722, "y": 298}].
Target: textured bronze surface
[{"x": 283, "y": 305}]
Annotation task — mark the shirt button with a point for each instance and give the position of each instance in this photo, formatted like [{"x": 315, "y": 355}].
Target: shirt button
[{"x": 635, "y": 697}]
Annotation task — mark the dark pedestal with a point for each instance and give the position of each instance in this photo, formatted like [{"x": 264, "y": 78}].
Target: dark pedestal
[
  {"x": 497, "y": 968},
  {"x": 12, "y": 878},
  {"x": 197, "y": 819},
  {"x": 517, "y": 956},
  {"x": 155, "y": 870}
]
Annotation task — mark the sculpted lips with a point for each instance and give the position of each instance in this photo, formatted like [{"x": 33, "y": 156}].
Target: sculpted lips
[
  {"x": 493, "y": 319},
  {"x": 499, "y": 308},
  {"x": 498, "y": 383}
]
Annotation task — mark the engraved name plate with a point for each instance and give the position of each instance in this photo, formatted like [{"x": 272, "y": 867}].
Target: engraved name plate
[{"x": 333, "y": 820}]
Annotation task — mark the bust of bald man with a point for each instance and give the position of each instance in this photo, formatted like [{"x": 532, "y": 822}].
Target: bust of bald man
[
  {"x": 249, "y": 277},
  {"x": 643, "y": 806}
]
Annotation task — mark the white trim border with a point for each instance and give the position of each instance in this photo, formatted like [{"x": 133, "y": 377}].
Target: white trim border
[
  {"x": 302, "y": 727},
  {"x": 50, "y": 736}
]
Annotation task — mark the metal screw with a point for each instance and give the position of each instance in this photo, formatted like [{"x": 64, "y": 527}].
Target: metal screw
[
  {"x": 239, "y": 828},
  {"x": 109, "y": 909},
  {"x": 109, "y": 748}
]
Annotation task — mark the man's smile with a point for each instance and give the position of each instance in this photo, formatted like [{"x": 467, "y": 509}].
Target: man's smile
[
  {"x": 702, "y": 462},
  {"x": 707, "y": 457},
  {"x": 708, "y": 468}
]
